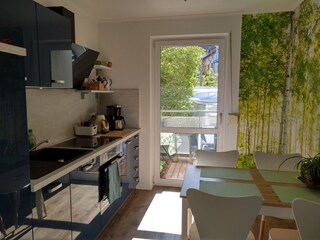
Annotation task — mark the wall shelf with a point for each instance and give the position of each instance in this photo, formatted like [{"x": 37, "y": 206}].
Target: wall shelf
[
  {"x": 97, "y": 92},
  {"x": 101, "y": 67}
]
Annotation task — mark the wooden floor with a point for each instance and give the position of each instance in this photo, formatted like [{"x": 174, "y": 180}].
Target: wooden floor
[
  {"x": 124, "y": 226},
  {"x": 175, "y": 168}
]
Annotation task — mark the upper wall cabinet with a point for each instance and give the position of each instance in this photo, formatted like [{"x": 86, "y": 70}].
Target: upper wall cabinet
[
  {"x": 18, "y": 27},
  {"x": 46, "y": 36},
  {"x": 55, "y": 55}
]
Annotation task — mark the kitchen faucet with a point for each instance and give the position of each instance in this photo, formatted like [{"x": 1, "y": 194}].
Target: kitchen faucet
[{"x": 38, "y": 144}]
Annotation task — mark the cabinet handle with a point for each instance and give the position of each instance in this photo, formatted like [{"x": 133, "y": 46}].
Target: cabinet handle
[
  {"x": 86, "y": 167},
  {"x": 136, "y": 179},
  {"x": 58, "y": 81},
  {"x": 136, "y": 147},
  {"x": 56, "y": 186},
  {"x": 136, "y": 169}
]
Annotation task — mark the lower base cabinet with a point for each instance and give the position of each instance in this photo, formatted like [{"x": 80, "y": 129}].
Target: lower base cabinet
[
  {"x": 70, "y": 207},
  {"x": 85, "y": 203},
  {"x": 52, "y": 217}
]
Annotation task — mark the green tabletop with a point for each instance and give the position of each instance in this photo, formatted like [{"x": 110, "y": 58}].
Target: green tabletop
[
  {"x": 227, "y": 173},
  {"x": 280, "y": 176},
  {"x": 287, "y": 194},
  {"x": 229, "y": 189}
]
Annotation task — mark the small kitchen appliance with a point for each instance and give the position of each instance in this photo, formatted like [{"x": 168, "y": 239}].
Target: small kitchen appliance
[{"x": 114, "y": 117}]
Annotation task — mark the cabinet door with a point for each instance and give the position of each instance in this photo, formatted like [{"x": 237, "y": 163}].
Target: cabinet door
[
  {"x": 85, "y": 201},
  {"x": 132, "y": 152},
  {"x": 52, "y": 211},
  {"x": 15, "y": 205},
  {"x": 54, "y": 44},
  {"x": 18, "y": 27}
]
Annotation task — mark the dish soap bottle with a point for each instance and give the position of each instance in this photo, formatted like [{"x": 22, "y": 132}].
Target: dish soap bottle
[{"x": 31, "y": 139}]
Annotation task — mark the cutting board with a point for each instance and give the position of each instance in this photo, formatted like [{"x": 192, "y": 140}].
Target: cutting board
[{"x": 118, "y": 134}]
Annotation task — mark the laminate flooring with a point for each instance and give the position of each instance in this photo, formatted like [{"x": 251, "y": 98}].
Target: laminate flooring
[{"x": 126, "y": 224}]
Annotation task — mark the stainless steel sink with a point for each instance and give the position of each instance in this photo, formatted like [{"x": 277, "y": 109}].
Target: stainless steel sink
[{"x": 46, "y": 160}]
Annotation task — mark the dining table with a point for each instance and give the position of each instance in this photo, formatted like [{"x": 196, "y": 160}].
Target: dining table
[{"x": 277, "y": 188}]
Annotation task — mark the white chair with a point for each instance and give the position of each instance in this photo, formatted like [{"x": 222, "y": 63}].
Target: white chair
[
  {"x": 217, "y": 159},
  {"x": 307, "y": 216},
  {"x": 268, "y": 161},
  {"x": 217, "y": 217}
]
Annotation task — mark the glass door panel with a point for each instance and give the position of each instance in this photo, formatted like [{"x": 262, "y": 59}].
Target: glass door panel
[{"x": 189, "y": 102}]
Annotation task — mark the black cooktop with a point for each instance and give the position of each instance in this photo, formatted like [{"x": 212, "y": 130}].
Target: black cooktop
[{"x": 85, "y": 142}]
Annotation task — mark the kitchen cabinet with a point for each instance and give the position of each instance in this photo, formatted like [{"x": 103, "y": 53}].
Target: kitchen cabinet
[
  {"x": 15, "y": 195},
  {"x": 85, "y": 203},
  {"x": 129, "y": 166},
  {"x": 46, "y": 35},
  {"x": 54, "y": 221},
  {"x": 132, "y": 156},
  {"x": 54, "y": 44},
  {"x": 18, "y": 26}
]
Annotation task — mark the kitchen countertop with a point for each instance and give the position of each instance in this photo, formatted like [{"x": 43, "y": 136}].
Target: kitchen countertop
[{"x": 37, "y": 184}]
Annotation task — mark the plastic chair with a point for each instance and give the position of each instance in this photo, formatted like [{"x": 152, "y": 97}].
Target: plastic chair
[
  {"x": 307, "y": 216},
  {"x": 268, "y": 161},
  {"x": 219, "y": 217},
  {"x": 217, "y": 159}
]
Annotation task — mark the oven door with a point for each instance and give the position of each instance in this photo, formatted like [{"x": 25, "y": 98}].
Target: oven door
[{"x": 104, "y": 176}]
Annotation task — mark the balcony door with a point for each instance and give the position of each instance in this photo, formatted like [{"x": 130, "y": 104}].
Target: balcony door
[{"x": 189, "y": 86}]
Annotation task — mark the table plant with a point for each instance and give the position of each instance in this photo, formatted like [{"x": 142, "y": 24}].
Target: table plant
[{"x": 309, "y": 169}]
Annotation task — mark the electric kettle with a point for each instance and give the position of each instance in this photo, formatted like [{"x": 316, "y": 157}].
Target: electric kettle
[{"x": 119, "y": 123}]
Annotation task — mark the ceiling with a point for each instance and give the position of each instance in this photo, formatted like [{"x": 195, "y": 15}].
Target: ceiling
[{"x": 132, "y": 10}]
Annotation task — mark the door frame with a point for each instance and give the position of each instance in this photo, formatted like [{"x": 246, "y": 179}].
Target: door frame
[{"x": 222, "y": 39}]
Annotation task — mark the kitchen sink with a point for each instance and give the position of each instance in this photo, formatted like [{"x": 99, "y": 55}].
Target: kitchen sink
[{"x": 46, "y": 160}]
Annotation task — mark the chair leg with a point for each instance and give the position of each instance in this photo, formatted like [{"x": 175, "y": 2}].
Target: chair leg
[{"x": 261, "y": 230}]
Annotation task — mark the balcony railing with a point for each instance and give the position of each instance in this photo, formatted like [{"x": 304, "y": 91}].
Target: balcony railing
[{"x": 194, "y": 118}]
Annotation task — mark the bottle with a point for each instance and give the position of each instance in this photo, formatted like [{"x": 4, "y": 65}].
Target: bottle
[{"x": 31, "y": 139}]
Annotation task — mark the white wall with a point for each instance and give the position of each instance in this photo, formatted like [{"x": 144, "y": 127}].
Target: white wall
[{"x": 127, "y": 45}]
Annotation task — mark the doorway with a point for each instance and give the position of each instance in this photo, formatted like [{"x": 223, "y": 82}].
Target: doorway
[{"x": 189, "y": 99}]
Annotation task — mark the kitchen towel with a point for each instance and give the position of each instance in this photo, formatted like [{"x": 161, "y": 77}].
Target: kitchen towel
[{"x": 114, "y": 182}]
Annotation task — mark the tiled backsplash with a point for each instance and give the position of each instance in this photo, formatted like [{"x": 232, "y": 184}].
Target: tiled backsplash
[
  {"x": 128, "y": 99},
  {"x": 52, "y": 113}
]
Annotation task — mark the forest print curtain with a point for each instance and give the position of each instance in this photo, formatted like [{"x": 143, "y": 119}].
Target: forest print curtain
[{"x": 280, "y": 83}]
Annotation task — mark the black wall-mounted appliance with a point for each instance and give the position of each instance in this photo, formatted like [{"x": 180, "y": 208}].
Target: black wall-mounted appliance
[{"x": 83, "y": 60}]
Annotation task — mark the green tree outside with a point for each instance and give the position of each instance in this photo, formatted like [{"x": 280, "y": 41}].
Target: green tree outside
[{"x": 179, "y": 76}]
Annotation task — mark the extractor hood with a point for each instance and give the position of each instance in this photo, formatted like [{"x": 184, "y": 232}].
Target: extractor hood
[{"x": 83, "y": 60}]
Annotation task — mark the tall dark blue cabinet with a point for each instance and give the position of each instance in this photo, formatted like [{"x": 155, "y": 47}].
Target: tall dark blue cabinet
[
  {"x": 15, "y": 202},
  {"x": 18, "y": 28}
]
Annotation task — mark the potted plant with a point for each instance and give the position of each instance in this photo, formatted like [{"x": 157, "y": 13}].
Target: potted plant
[{"x": 309, "y": 168}]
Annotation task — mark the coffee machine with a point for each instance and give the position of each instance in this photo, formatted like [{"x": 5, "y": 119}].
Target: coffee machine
[{"x": 116, "y": 121}]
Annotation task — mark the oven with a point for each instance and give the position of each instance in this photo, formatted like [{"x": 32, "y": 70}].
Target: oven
[
  {"x": 111, "y": 190},
  {"x": 104, "y": 175}
]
